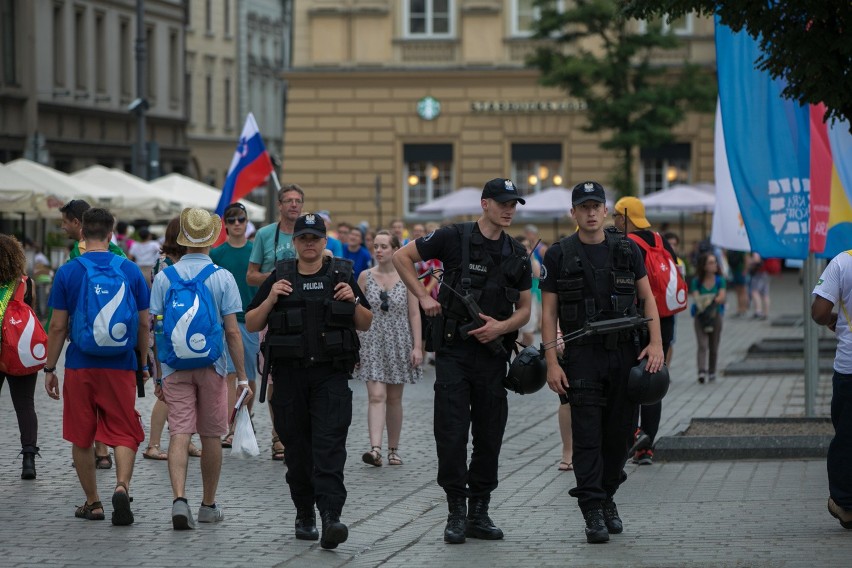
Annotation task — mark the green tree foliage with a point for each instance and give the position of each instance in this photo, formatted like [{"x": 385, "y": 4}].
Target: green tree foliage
[
  {"x": 596, "y": 55},
  {"x": 806, "y": 43}
]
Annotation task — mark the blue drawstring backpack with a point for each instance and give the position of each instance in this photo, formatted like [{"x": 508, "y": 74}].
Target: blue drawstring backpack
[
  {"x": 192, "y": 333},
  {"x": 105, "y": 322}
]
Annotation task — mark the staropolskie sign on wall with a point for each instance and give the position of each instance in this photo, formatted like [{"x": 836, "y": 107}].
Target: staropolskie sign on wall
[{"x": 526, "y": 106}]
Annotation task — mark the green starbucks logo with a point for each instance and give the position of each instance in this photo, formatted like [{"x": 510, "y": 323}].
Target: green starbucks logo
[{"x": 428, "y": 108}]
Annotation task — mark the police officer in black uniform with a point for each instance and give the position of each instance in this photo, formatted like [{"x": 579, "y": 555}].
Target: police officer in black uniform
[
  {"x": 597, "y": 274},
  {"x": 483, "y": 263},
  {"x": 313, "y": 307}
]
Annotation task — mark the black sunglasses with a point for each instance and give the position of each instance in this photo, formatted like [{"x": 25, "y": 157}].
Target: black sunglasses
[
  {"x": 383, "y": 296},
  {"x": 232, "y": 220}
]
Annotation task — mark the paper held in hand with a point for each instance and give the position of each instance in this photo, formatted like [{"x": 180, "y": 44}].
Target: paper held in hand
[{"x": 238, "y": 404}]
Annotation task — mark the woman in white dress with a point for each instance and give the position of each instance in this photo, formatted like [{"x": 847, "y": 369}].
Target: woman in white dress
[{"x": 391, "y": 351}]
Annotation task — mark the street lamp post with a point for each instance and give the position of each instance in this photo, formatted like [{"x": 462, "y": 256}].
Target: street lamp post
[{"x": 140, "y": 105}]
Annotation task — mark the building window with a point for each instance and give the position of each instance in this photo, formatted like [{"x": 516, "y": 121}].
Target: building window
[
  {"x": 80, "y": 60},
  {"x": 187, "y": 96},
  {"x": 428, "y": 173},
  {"x": 536, "y": 167},
  {"x": 208, "y": 17},
  {"x": 126, "y": 62},
  {"x": 429, "y": 18},
  {"x": 8, "y": 42},
  {"x": 208, "y": 98},
  {"x": 681, "y": 25},
  {"x": 228, "y": 117},
  {"x": 525, "y": 13},
  {"x": 227, "y": 18},
  {"x": 59, "y": 45},
  {"x": 100, "y": 54},
  {"x": 174, "y": 62},
  {"x": 664, "y": 167}
]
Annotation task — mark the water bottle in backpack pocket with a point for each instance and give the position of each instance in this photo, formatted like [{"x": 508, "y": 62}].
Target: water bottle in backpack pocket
[
  {"x": 105, "y": 322},
  {"x": 192, "y": 332}
]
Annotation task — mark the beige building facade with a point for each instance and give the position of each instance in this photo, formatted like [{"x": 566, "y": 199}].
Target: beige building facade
[
  {"x": 421, "y": 97},
  {"x": 67, "y": 76}
]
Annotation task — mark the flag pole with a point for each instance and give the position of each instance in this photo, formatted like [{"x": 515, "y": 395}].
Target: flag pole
[{"x": 275, "y": 181}]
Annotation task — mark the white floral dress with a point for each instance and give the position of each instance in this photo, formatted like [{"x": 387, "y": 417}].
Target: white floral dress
[{"x": 386, "y": 347}]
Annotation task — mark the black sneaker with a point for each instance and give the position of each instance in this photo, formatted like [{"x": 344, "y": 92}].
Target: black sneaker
[
  {"x": 596, "y": 531},
  {"x": 611, "y": 518},
  {"x": 641, "y": 441}
]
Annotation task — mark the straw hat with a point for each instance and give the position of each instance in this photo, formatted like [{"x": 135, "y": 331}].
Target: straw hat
[{"x": 198, "y": 228}]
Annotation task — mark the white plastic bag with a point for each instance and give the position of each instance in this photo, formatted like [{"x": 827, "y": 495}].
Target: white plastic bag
[{"x": 245, "y": 442}]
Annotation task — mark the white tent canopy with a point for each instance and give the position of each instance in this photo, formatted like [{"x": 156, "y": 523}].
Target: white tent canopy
[
  {"x": 464, "y": 201},
  {"x": 16, "y": 193},
  {"x": 193, "y": 193},
  {"x": 553, "y": 202},
  {"x": 54, "y": 188},
  {"x": 680, "y": 199},
  {"x": 146, "y": 200}
]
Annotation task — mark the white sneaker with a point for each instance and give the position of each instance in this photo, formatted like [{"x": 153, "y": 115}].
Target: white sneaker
[
  {"x": 212, "y": 514},
  {"x": 182, "y": 517}
]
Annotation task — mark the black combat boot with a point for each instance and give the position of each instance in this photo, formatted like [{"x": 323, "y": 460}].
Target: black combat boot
[
  {"x": 333, "y": 531},
  {"x": 28, "y": 470},
  {"x": 479, "y": 524},
  {"x": 611, "y": 518},
  {"x": 306, "y": 524},
  {"x": 456, "y": 521},
  {"x": 596, "y": 531}
]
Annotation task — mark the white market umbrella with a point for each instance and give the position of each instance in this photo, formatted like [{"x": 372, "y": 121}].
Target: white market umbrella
[
  {"x": 149, "y": 201},
  {"x": 464, "y": 201},
  {"x": 193, "y": 193},
  {"x": 16, "y": 193},
  {"x": 680, "y": 199}
]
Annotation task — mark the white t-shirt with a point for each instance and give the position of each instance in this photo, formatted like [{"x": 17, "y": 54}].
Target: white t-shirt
[
  {"x": 146, "y": 254},
  {"x": 835, "y": 285}
]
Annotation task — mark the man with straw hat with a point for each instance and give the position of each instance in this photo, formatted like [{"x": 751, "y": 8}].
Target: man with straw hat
[{"x": 197, "y": 396}]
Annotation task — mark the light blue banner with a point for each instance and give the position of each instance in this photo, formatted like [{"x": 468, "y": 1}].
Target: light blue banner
[{"x": 768, "y": 148}]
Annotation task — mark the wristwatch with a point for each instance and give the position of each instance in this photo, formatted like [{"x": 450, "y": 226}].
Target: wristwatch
[{"x": 49, "y": 370}]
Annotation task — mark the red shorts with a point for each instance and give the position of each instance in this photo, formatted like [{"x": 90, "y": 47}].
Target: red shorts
[
  {"x": 101, "y": 404},
  {"x": 197, "y": 401}
]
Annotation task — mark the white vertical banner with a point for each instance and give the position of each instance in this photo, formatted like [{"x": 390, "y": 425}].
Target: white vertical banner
[{"x": 728, "y": 231}]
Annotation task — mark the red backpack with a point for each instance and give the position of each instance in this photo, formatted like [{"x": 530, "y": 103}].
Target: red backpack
[
  {"x": 23, "y": 342},
  {"x": 667, "y": 284}
]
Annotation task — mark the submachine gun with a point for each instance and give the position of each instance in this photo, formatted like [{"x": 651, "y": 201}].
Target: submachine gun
[
  {"x": 528, "y": 371},
  {"x": 473, "y": 310}
]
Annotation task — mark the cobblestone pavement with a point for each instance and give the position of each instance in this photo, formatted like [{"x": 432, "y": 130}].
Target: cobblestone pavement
[{"x": 737, "y": 513}]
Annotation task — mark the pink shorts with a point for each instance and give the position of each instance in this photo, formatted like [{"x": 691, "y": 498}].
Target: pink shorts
[
  {"x": 100, "y": 404},
  {"x": 197, "y": 401}
]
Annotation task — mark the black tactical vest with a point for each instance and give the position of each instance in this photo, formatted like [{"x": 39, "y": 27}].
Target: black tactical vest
[
  {"x": 586, "y": 292},
  {"x": 494, "y": 287},
  {"x": 309, "y": 327}
]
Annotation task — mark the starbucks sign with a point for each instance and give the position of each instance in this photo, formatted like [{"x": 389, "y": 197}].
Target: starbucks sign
[{"x": 428, "y": 108}]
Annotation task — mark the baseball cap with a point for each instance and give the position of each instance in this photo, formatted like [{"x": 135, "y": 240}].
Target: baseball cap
[
  {"x": 309, "y": 224},
  {"x": 588, "y": 191},
  {"x": 634, "y": 210},
  {"x": 501, "y": 190}
]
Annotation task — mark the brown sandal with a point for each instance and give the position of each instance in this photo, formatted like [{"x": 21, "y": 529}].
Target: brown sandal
[
  {"x": 393, "y": 457},
  {"x": 86, "y": 511},
  {"x": 277, "y": 449},
  {"x": 153, "y": 452},
  {"x": 373, "y": 457},
  {"x": 103, "y": 462}
]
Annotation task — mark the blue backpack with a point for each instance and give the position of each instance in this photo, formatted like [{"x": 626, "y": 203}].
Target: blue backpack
[
  {"x": 106, "y": 320},
  {"x": 193, "y": 336}
]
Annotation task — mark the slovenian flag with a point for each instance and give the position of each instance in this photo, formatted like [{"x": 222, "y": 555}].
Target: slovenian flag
[
  {"x": 791, "y": 173},
  {"x": 250, "y": 167}
]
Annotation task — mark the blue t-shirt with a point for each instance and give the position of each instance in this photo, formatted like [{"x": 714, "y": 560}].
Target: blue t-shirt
[
  {"x": 66, "y": 291},
  {"x": 265, "y": 253},
  {"x": 335, "y": 246},
  {"x": 361, "y": 259},
  {"x": 221, "y": 284}
]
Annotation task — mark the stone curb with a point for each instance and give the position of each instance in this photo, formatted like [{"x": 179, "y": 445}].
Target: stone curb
[{"x": 708, "y": 448}]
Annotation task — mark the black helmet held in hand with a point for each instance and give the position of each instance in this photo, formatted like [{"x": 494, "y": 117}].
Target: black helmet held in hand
[
  {"x": 647, "y": 388},
  {"x": 527, "y": 372}
]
